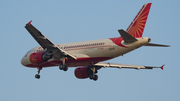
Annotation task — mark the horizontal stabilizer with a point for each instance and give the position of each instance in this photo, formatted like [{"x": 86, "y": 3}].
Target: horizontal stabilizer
[
  {"x": 157, "y": 45},
  {"x": 126, "y": 37}
]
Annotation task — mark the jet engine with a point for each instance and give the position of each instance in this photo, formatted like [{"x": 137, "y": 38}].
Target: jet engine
[
  {"x": 39, "y": 57},
  {"x": 86, "y": 72},
  {"x": 81, "y": 72}
]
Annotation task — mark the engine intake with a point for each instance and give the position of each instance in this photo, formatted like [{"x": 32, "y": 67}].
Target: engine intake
[{"x": 39, "y": 57}]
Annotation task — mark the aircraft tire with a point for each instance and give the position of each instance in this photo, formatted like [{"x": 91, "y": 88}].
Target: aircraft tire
[
  {"x": 95, "y": 77},
  {"x": 65, "y": 67},
  {"x": 61, "y": 67},
  {"x": 91, "y": 77},
  {"x": 37, "y": 76}
]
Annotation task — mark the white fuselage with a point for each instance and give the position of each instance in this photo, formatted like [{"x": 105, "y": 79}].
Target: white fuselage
[{"x": 89, "y": 52}]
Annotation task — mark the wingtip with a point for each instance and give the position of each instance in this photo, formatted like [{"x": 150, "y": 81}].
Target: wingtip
[
  {"x": 29, "y": 23},
  {"x": 162, "y": 67}
]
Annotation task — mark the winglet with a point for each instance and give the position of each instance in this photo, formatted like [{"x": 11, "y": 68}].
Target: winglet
[
  {"x": 29, "y": 23},
  {"x": 162, "y": 67}
]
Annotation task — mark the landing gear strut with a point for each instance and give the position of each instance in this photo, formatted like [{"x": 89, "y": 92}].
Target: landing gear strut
[
  {"x": 37, "y": 76},
  {"x": 63, "y": 66},
  {"x": 91, "y": 72}
]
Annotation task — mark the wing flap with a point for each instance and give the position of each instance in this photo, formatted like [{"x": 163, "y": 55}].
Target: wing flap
[{"x": 120, "y": 66}]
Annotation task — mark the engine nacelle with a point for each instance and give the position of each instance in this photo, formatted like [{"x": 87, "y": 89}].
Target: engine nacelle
[
  {"x": 81, "y": 72},
  {"x": 39, "y": 57}
]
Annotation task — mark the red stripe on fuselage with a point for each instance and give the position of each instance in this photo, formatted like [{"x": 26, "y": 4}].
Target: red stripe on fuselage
[
  {"x": 118, "y": 41},
  {"x": 71, "y": 62}
]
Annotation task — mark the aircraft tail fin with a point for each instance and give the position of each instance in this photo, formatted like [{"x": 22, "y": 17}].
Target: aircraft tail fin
[{"x": 136, "y": 27}]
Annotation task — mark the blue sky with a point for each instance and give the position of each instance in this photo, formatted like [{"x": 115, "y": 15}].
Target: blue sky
[{"x": 80, "y": 20}]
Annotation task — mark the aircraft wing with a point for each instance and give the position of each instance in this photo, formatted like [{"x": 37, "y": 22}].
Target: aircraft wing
[
  {"x": 120, "y": 66},
  {"x": 45, "y": 43}
]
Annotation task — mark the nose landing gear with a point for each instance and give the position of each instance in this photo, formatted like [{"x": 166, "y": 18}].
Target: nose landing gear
[{"x": 37, "y": 76}]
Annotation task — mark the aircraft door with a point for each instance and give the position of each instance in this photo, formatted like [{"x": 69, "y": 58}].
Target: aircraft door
[{"x": 111, "y": 45}]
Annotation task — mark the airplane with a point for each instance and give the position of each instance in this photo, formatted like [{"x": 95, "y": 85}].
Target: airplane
[{"x": 88, "y": 56}]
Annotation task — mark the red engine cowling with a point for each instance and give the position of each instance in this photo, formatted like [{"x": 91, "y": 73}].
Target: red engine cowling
[
  {"x": 39, "y": 57},
  {"x": 81, "y": 72}
]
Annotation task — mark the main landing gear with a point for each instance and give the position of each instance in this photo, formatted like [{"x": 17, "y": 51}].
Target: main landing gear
[
  {"x": 63, "y": 67},
  {"x": 37, "y": 76},
  {"x": 91, "y": 72}
]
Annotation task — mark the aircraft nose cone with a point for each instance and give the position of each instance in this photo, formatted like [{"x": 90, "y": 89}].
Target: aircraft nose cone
[{"x": 23, "y": 61}]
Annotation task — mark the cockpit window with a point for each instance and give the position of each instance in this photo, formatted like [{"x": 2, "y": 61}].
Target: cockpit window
[
  {"x": 30, "y": 51},
  {"x": 26, "y": 54}
]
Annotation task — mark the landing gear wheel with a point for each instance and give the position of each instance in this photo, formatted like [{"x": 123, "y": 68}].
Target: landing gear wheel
[
  {"x": 63, "y": 67},
  {"x": 91, "y": 73},
  {"x": 95, "y": 77},
  {"x": 91, "y": 77},
  {"x": 96, "y": 71},
  {"x": 37, "y": 76}
]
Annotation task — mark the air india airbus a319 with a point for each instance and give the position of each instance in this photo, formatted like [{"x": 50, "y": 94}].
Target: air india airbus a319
[{"x": 87, "y": 56}]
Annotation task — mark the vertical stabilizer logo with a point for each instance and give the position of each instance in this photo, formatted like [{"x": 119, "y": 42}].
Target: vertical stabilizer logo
[{"x": 136, "y": 27}]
